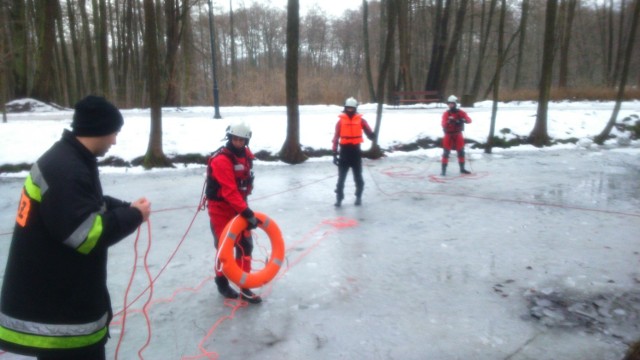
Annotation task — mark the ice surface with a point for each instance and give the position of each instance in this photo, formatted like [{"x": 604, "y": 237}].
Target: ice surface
[{"x": 494, "y": 265}]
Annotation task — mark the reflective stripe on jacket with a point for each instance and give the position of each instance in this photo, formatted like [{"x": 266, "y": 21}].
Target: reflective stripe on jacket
[{"x": 52, "y": 337}]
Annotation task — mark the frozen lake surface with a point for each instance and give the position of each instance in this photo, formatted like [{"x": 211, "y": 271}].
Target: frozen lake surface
[{"x": 534, "y": 256}]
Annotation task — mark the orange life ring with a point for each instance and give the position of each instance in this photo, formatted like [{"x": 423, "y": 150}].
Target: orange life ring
[{"x": 232, "y": 231}]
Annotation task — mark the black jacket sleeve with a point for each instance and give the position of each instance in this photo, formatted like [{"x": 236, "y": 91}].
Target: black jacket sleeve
[{"x": 119, "y": 223}]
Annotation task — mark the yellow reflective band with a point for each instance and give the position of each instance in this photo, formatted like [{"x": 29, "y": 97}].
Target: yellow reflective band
[
  {"x": 92, "y": 237},
  {"x": 51, "y": 342},
  {"x": 32, "y": 189}
]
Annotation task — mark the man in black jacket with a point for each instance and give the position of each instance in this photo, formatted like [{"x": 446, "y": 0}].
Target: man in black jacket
[{"x": 55, "y": 303}]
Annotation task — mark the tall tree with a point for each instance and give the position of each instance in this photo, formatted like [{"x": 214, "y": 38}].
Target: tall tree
[
  {"x": 4, "y": 60},
  {"x": 88, "y": 46},
  {"x": 405, "y": 81},
  {"x": 485, "y": 34},
  {"x": 524, "y": 17},
  {"x": 619, "y": 53},
  {"x": 453, "y": 46},
  {"x": 214, "y": 64},
  {"x": 539, "y": 135},
  {"x": 367, "y": 50},
  {"x": 291, "y": 152},
  {"x": 155, "y": 156},
  {"x": 496, "y": 82},
  {"x": 232, "y": 47},
  {"x": 19, "y": 47},
  {"x": 624, "y": 75},
  {"x": 77, "y": 54},
  {"x": 568, "y": 11},
  {"x": 101, "y": 18},
  {"x": 391, "y": 9},
  {"x": 439, "y": 46},
  {"x": 44, "y": 86},
  {"x": 67, "y": 75},
  {"x": 174, "y": 18},
  {"x": 189, "y": 91},
  {"x": 469, "y": 46}
]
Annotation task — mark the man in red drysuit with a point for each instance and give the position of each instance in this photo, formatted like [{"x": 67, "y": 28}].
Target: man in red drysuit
[
  {"x": 229, "y": 182},
  {"x": 453, "y": 121}
]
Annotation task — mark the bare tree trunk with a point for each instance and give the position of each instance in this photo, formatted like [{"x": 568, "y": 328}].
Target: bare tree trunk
[
  {"x": 124, "y": 65},
  {"x": 44, "y": 83},
  {"x": 5, "y": 48},
  {"x": 232, "y": 41},
  {"x": 19, "y": 47},
  {"x": 496, "y": 83},
  {"x": 88, "y": 46},
  {"x": 439, "y": 45},
  {"x": 367, "y": 50},
  {"x": 524, "y": 16},
  {"x": 70, "y": 93},
  {"x": 115, "y": 47},
  {"x": 470, "y": 38},
  {"x": 291, "y": 152},
  {"x": 189, "y": 92},
  {"x": 539, "y": 136},
  {"x": 609, "y": 43},
  {"x": 174, "y": 20},
  {"x": 375, "y": 152},
  {"x": 569, "y": 11},
  {"x": 155, "y": 156},
  {"x": 452, "y": 49},
  {"x": 103, "y": 47},
  {"x": 137, "y": 58},
  {"x": 484, "y": 41},
  {"x": 405, "y": 81},
  {"x": 79, "y": 90},
  {"x": 620, "y": 49},
  {"x": 623, "y": 77}
]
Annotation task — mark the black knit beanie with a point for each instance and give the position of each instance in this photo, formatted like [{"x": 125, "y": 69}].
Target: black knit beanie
[{"x": 95, "y": 116}]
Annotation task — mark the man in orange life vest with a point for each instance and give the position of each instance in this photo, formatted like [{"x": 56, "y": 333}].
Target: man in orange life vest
[
  {"x": 229, "y": 182},
  {"x": 348, "y": 134},
  {"x": 453, "y": 121}
]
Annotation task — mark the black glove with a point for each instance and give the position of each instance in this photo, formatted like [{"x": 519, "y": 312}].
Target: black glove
[
  {"x": 336, "y": 160},
  {"x": 371, "y": 137},
  {"x": 252, "y": 220}
]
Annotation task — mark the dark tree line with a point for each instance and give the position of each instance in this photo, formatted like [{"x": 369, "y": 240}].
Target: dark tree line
[
  {"x": 59, "y": 50},
  {"x": 154, "y": 53}
]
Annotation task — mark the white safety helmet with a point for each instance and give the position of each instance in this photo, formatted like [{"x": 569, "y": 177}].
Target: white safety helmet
[
  {"x": 452, "y": 99},
  {"x": 351, "y": 102},
  {"x": 239, "y": 129}
]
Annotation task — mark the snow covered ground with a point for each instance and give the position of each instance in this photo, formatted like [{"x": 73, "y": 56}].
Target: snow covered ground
[
  {"x": 533, "y": 256},
  {"x": 193, "y": 130}
]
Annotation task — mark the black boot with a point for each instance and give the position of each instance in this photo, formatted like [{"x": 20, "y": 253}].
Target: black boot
[
  {"x": 224, "y": 289},
  {"x": 444, "y": 170},
  {"x": 462, "y": 169},
  {"x": 339, "y": 198},
  {"x": 358, "y": 201},
  {"x": 250, "y": 297}
]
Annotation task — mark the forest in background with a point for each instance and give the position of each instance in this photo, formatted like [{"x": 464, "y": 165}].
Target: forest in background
[{"x": 60, "y": 50}]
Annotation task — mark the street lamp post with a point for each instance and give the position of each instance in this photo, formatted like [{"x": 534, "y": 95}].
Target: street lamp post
[{"x": 216, "y": 99}]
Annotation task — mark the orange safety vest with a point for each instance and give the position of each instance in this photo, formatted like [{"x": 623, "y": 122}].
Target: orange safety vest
[{"x": 350, "y": 129}]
